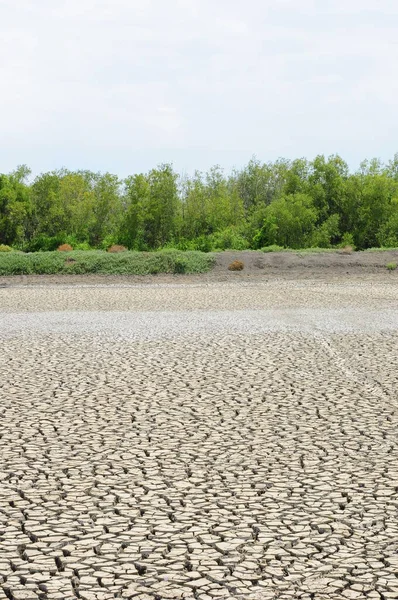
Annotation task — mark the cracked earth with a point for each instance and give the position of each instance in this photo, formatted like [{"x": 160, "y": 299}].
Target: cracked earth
[{"x": 199, "y": 441}]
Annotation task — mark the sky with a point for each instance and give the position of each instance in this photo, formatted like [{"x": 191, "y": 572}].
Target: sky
[{"x": 123, "y": 85}]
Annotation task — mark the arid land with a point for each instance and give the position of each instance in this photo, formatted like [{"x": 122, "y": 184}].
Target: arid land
[{"x": 226, "y": 435}]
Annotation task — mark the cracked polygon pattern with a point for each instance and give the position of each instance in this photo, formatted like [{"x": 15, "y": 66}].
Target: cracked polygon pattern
[{"x": 199, "y": 467}]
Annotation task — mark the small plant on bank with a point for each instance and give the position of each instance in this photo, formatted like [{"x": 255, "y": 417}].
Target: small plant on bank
[
  {"x": 5, "y": 248},
  {"x": 346, "y": 250},
  {"x": 65, "y": 248},
  {"x": 391, "y": 266},
  {"x": 115, "y": 248},
  {"x": 273, "y": 248},
  {"x": 236, "y": 265}
]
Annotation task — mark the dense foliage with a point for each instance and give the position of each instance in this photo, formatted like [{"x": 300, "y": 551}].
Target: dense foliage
[
  {"x": 294, "y": 204},
  {"x": 105, "y": 263}
]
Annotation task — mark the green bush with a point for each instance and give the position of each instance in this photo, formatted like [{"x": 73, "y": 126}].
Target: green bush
[
  {"x": 85, "y": 246},
  {"x": 289, "y": 221},
  {"x": 5, "y": 248},
  {"x": 228, "y": 239},
  {"x": 327, "y": 233},
  {"x": 108, "y": 241},
  {"x": 97, "y": 261},
  {"x": 347, "y": 240},
  {"x": 77, "y": 243},
  {"x": 391, "y": 266},
  {"x": 43, "y": 243},
  {"x": 202, "y": 243}
]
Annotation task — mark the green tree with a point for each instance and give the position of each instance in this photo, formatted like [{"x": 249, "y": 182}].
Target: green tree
[
  {"x": 387, "y": 235},
  {"x": 136, "y": 198},
  {"x": 78, "y": 203},
  {"x": 48, "y": 212},
  {"x": 162, "y": 205},
  {"x": 15, "y": 206},
  {"x": 107, "y": 207},
  {"x": 289, "y": 222},
  {"x": 326, "y": 184},
  {"x": 327, "y": 233},
  {"x": 194, "y": 200},
  {"x": 151, "y": 208},
  {"x": 218, "y": 202},
  {"x": 373, "y": 193}
]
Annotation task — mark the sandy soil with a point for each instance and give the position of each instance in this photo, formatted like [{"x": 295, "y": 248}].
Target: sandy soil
[
  {"x": 258, "y": 265},
  {"x": 200, "y": 439}
]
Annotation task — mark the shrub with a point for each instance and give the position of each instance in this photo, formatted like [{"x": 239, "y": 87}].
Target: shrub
[
  {"x": 108, "y": 241},
  {"x": 347, "y": 240},
  {"x": 229, "y": 239},
  {"x": 43, "y": 243},
  {"x": 236, "y": 265},
  {"x": 180, "y": 265},
  {"x": 202, "y": 244},
  {"x": 327, "y": 233},
  {"x": 391, "y": 266},
  {"x": 65, "y": 248},
  {"x": 83, "y": 246},
  {"x": 98, "y": 261},
  {"x": 5, "y": 248},
  {"x": 115, "y": 248},
  {"x": 288, "y": 221}
]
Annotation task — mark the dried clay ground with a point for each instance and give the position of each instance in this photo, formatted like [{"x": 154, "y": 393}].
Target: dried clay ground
[{"x": 231, "y": 435}]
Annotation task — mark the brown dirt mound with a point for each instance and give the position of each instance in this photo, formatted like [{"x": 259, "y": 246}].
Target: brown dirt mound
[
  {"x": 236, "y": 265},
  {"x": 65, "y": 248}
]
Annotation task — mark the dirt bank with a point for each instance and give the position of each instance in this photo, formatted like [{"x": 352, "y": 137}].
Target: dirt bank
[{"x": 257, "y": 265}]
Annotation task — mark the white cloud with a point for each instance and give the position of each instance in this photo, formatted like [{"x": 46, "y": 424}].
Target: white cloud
[{"x": 195, "y": 81}]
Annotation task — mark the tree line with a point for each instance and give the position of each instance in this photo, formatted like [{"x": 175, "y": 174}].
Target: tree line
[{"x": 288, "y": 203}]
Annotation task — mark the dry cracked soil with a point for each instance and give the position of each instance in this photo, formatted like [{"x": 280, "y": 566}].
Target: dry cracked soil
[{"x": 199, "y": 440}]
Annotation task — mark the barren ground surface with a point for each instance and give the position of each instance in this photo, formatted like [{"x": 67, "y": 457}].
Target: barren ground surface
[{"x": 199, "y": 439}]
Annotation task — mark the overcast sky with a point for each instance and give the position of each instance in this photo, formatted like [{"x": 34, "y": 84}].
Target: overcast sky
[{"x": 122, "y": 85}]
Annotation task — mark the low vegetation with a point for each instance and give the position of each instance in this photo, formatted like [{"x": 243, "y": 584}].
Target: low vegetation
[
  {"x": 287, "y": 204},
  {"x": 101, "y": 262},
  {"x": 391, "y": 266}
]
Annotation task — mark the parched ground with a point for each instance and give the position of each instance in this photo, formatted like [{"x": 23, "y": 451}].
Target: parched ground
[{"x": 199, "y": 439}]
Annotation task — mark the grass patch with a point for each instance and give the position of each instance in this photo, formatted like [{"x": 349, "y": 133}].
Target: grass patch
[
  {"x": 334, "y": 250},
  {"x": 124, "y": 263},
  {"x": 348, "y": 249},
  {"x": 391, "y": 266},
  {"x": 381, "y": 249},
  {"x": 276, "y": 248}
]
